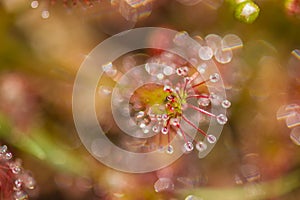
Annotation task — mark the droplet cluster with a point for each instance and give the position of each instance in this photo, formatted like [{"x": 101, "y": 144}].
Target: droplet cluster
[
  {"x": 14, "y": 180},
  {"x": 131, "y": 10},
  {"x": 167, "y": 93},
  {"x": 291, "y": 114}
]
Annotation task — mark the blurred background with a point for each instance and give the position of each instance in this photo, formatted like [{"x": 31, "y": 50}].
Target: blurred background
[{"x": 43, "y": 43}]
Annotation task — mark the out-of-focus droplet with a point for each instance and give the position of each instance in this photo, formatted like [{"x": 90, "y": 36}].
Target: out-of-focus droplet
[
  {"x": 214, "y": 77},
  {"x": 29, "y": 182},
  {"x": 293, "y": 120},
  {"x": 8, "y": 155},
  {"x": 205, "y": 53},
  {"x": 202, "y": 68},
  {"x": 18, "y": 184},
  {"x": 250, "y": 172},
  {"x": 109, "y": 69},
  {"x": 223, "y": 56},
  {"x": 286, "y": 111},
  {"x": 238, "y": 180},
  {"x": 296, "y": 53},
  {"x": 163, "y": 184},
  {"x": 295, "y": 135},
  {"x": 169, "y": 149},
  {"x": 204, "y": 102},
  {"x": 34, "y": 4},
  {"x": 16, "y": 169},
  {"x": 231, "y": 41},
  {"x": 201, "y": 146},
  {"x": 181, "y": 38},
  {"x": 164, "y": 130},
  {"x": 192, "y": 197},
  {"x": 133, "y": 10},
  {"x": 160, "y": 76},
  {"x": 3, "y": 149},
  {"x": 154, "y": 69},
  {"x": 20, "y": 195},
  {"x": 294, "y": 65},
  {"x": 45, "y": 14},
  {"x": 214, "y": 42},
  {"x": 106, "y": 90},
  {"x": 168, "y": 70}
]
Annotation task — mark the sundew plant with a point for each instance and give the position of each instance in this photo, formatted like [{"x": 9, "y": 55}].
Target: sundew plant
[{"x": 149, "y": 99}]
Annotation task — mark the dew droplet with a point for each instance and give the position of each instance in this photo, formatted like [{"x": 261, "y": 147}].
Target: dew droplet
[
  {"x": 211, "y": 139},
  {"x": 293, "y": 120},
  {"x": 165, "y": 117},
  {"x": 204, "y": 102},
  {"x": 231, "y": 41},
  {"x": 170, "y": 149},
  {"x": 140, "y": 114},
  {"x": 238, "y": 180},
  {"x": 160, "y": 76},
  {"x": 205, "y": 53},
  {"x": 202, "y": 68},
  {"x": 168, "y": 70},
  {"x": 296, "y": 53},
  {"x": 133, "y": 11},
  {"x": 145, "y": 130},
  {"x": 174, "y": 121},
  {"x": 164, "y": 130},
  {"x": 3, "y": 149},
  {"x": 179, "y": 72},
  {"x": 163, "y": 184},
  {"x": 223, "y": 56},
  {"x": 34, "y": 4},
  {"x": 286, "y": 111},
  {"x": 214, "y": 77},
  {"x": 191, "y": 197},
  {"x": 142, "y": 125},
  {"x": 20, "y": 195},
  {"x": 188, "y": 146},
  {"x": 222, "y": 119},
  {"x": 295, "y": 135},
  {"x": 8, "y": 155},
  {"x": 214, "y": 98},
  {"x": 109, "y": 69},
  {"x": 106, "y": 90},
  {"x": 16, "y": 169},
  {"x": 226, "y": 103},
  {"x": 29, "y": 182},
  {"x": 201, "y": 146},
  {"x": 213, "y": 41},
  {"x": 18, "y": 184},
  {"x": 181, "y": 38},
  {"x": 45, "y": 14},
  {"x": 250, "y": 172},
  {"x": 159, "y": 117},
  {"x": 155, "y": 129}
]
